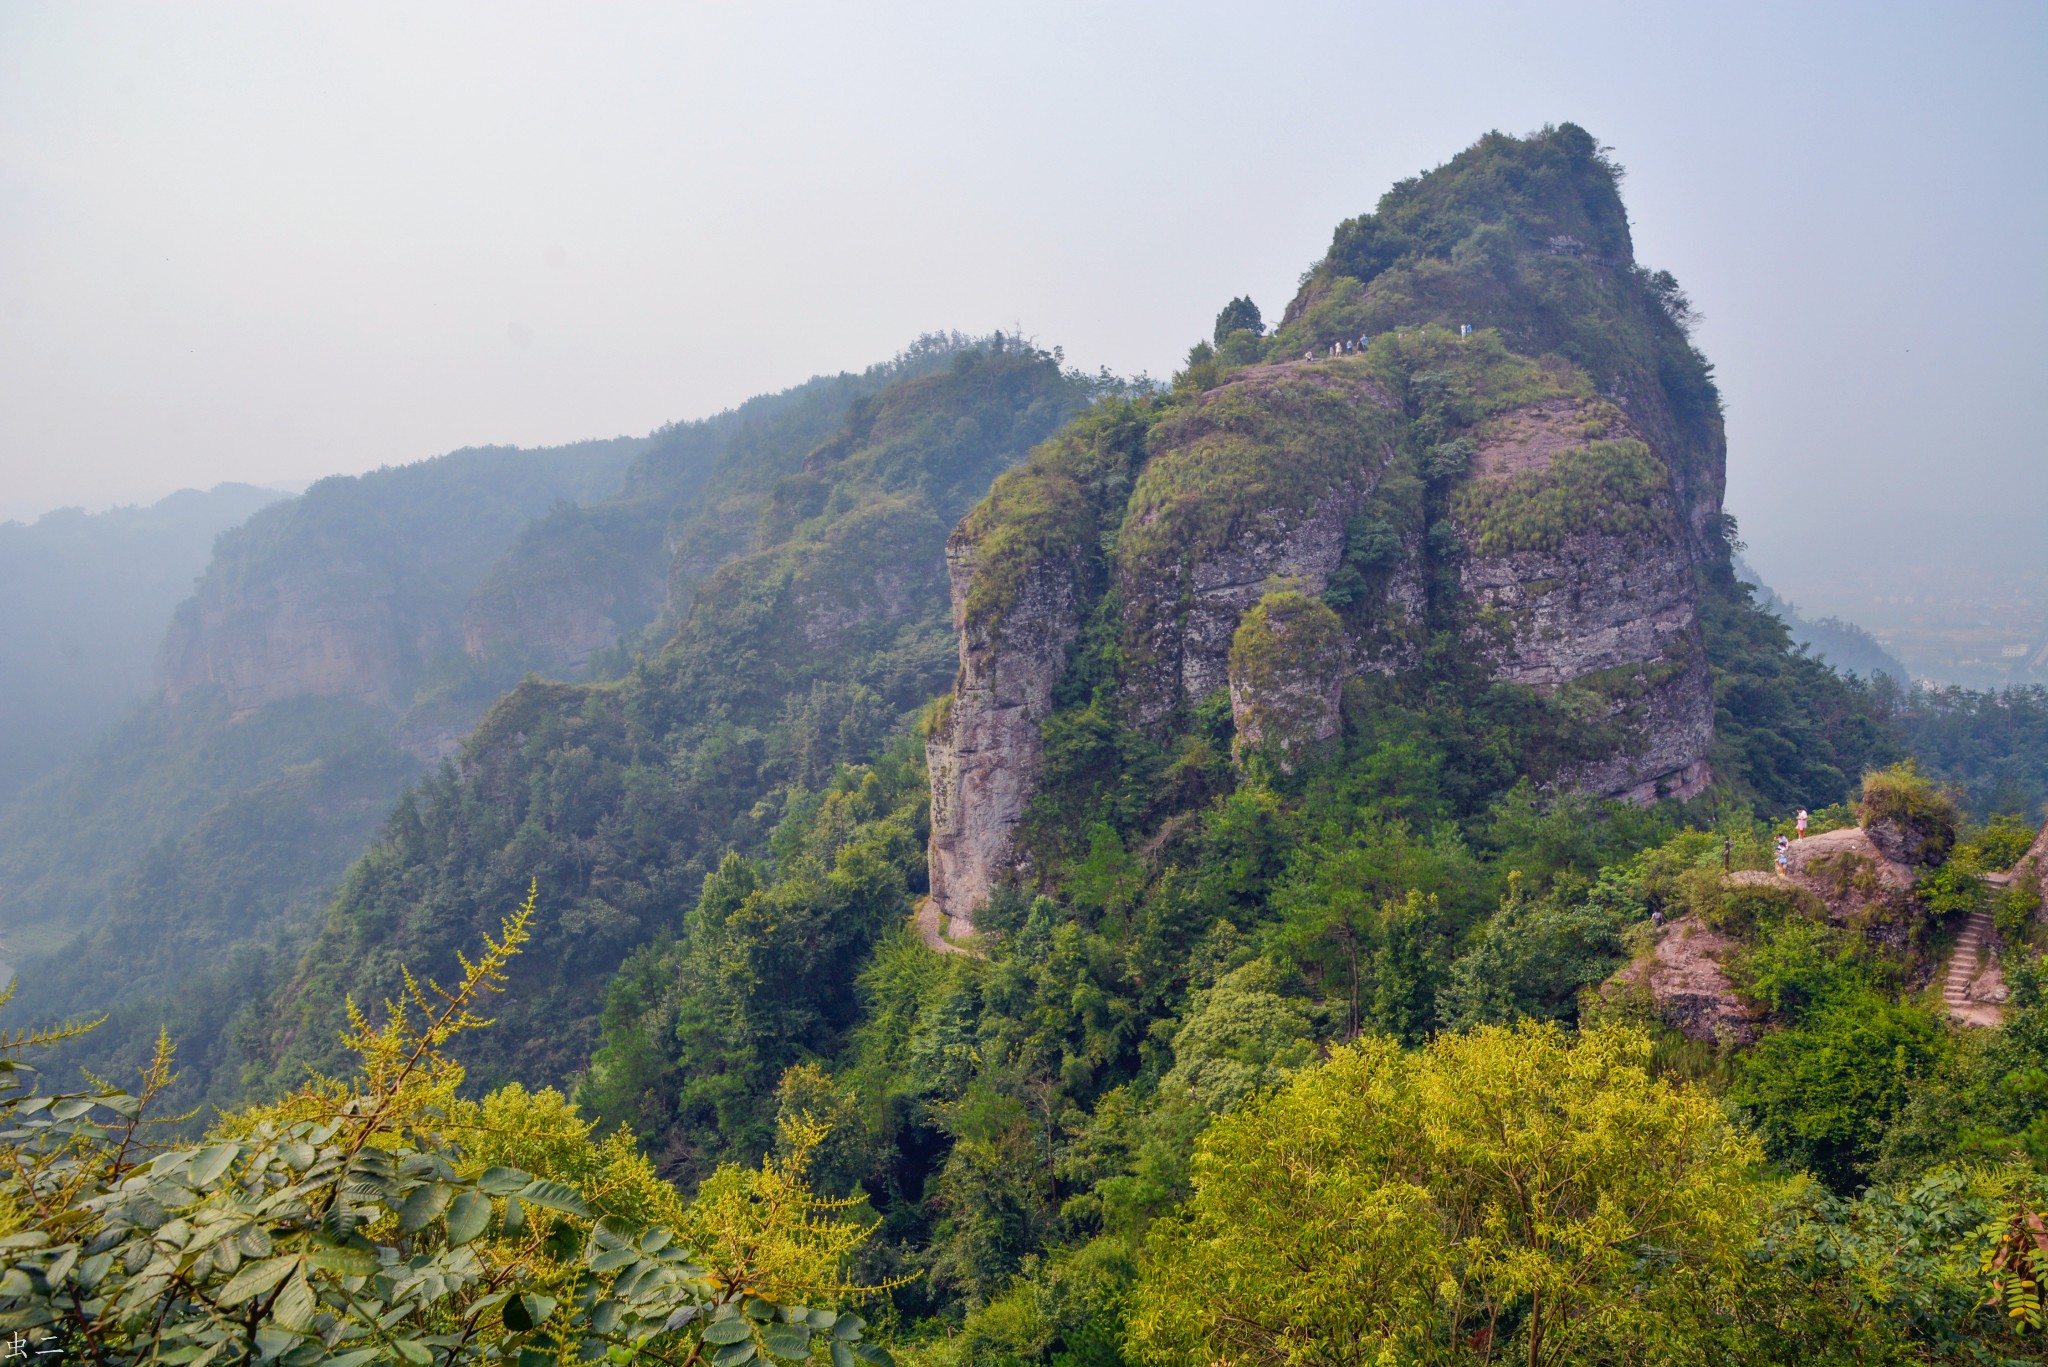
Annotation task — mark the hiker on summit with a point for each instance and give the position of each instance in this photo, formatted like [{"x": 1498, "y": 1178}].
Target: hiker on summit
[
  {"x": 1800, "y": 822},
  {"x": 1784, "y": 857}
]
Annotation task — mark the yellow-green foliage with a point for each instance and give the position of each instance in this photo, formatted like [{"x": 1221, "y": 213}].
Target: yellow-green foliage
[
  {"x": 1383, "y": 1205},
  {"x": 764, "y": 1229},
  {"x": 502, "y": 1230},
  {"x": 1270, "y": 446},
  {"x": 542, "y": 1133},
  {"x": 1612, "y": 487}
]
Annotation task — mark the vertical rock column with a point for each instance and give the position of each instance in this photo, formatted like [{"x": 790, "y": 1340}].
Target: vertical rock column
[{"x": 984, "y": 752}]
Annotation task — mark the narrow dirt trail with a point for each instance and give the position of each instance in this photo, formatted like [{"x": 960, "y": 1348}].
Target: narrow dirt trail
[
  {"x": 931, "y": 928},
  {"x": 1970, "y": 966}
]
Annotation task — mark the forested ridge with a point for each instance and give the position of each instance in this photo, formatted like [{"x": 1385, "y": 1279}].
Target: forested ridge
[{"x": 1358, "y": 1049}]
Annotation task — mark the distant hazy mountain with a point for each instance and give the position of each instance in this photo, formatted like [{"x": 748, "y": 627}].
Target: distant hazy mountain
[
  {"x": 1844, "y": 645},
  {"x": 84, "y": 600}
]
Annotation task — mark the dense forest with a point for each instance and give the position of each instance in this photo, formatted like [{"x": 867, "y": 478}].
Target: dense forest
[{"x": 1289, "y": 1038}]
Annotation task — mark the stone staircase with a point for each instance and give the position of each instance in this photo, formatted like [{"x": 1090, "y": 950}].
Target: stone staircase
[{"x": 1967, "y": 968}]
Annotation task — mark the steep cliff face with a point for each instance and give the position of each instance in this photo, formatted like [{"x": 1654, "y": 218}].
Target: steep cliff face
[
  {"x": 576, "y": 582},
  {"x": 358, "y": 587},
  {"x": 1577, "y": 554},
  {"x": 1512, "y": 482},
  {"x": 1254, "y": 481},
  {"x": 983, "y": 750}
]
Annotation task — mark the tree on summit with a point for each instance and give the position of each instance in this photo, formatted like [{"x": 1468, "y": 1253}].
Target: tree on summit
[{"x": 1240, "y": 312}]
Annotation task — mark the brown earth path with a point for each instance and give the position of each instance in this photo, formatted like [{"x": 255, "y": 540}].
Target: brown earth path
[{"x": 931, "y": 928}]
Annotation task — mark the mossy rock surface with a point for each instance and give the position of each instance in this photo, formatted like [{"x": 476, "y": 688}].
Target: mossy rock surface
[
  {"x": 1262, "y": 450},
  {"x": 1614, "y": 488},
  {"x": 1286, "y": 675}
]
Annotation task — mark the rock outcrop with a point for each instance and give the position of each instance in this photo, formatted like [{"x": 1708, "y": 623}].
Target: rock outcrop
[
  {"x": 1286, "y": 674},
  {"x": 1687, "y": 987},
  {"x": 1570, "y": 559},
  {"x": 1495, "y": 450},
  {"x": 1612, "y": 603},
  {"x": 983, "y": 750},
  {"x": 1255, "y": 484}
]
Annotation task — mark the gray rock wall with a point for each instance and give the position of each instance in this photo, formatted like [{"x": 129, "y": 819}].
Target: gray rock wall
[{"x": 985, "y": 754}]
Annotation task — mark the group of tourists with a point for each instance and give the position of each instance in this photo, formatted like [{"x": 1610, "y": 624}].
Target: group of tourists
[
  {"x": 1784, "y": 855},
  {"x": 1343, "y": 348}
]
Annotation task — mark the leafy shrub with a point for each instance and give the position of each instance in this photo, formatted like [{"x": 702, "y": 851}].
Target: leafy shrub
[
  {"x": 1356, "y": 1215},
  {"x": 1799, "y": 965},
  {"x": 2016, "y": 909},
  {"x": 1907, "y": 817},
  {"x": 1823, "y": 1091},
  {"x": 1995, "y": 846},
  {"x": 372, "y": 1220},
  {"x": 1743, "y": 908},
  {"x": 1950, "y": 891}
]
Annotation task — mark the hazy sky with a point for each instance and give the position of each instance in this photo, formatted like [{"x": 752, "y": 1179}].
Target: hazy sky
[{"x": 271, "y": 242}]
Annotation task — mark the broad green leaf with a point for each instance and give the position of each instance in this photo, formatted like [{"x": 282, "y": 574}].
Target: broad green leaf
[
  {"x": 842, "y": 1356},
  {"x": 790, "y": 1342},
  {"x": 523, "y": 1312},
  {"x": 358, "y": 1258},
  {"x": 294, "y": 1306},
  {"x": 733, "y": 1353},
  {"x": 503, "y": 1181},
  {"x": 727, "y": 1331},
  {"x": 848, "y": 1327},
  {"x": 874, "y": 1353},
  {"x": 554, "y": 1196},
  {"x": 611, "y": 1260},
  {"x": 270, "y": 1341},
  {"x": 14, "y": 1283},
  {"x": 92, "y": 1269},
  {"x": 256, "y": 1278},
  {"x": 412, "y": 1350},
  {"x": 209, "y": 1164},
  {"x": 424, "y": 1206},
  {"x": 604, "y": 1316},
  {"x": 468, "y": 1217},
  {"x": 355, "y": 1357},
  {"x": 514, "y": 1223}
]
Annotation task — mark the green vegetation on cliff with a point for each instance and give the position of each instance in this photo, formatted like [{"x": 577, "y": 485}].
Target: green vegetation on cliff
[
  {"x": 1616, "y": 488},
  {"x": 807, "y": 651},
  {"x": 1322, "y": 1060}
]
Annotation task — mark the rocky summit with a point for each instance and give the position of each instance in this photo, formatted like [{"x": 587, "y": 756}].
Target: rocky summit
[{"x": 1480, "y": 433}]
